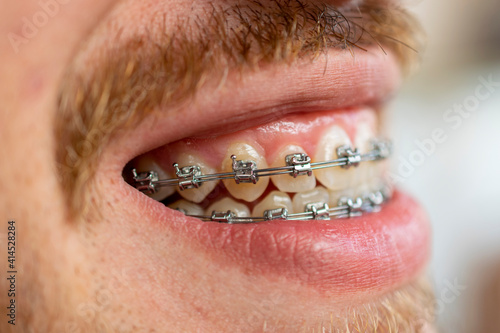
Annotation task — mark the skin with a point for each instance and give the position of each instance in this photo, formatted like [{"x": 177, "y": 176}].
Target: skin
[{"x": 110, "y": 273}]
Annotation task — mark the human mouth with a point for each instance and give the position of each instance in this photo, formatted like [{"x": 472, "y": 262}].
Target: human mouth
[
  {"x": 285, "y": 169},
  {"x": 378, "y": 251}
]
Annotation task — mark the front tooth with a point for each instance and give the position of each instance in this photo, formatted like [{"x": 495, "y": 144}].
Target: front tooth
[
  {"x": 364, "y": 134},
  {"x": 286, "y": 183},
  {"x": 187, "y": 206},
  {"x": 335, "y": 178},
  {"x": 301, "y": 199},
  {"x": 226, "y": 204},
  {"x": 245, "y": 191},
  {"x": 196, "y": 194},
  {"x": 275, "y": 199},
  {"x": 147, "y": 163},
  {"x": 365, "y": 171}
]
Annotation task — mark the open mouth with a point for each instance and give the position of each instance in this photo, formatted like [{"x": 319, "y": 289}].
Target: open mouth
[
  {"x": 296, "y": 167},
  {"x": 377, "y": 248}
]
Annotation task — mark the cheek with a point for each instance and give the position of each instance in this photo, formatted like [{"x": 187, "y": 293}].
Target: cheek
[{"x": 51, "y": 260}]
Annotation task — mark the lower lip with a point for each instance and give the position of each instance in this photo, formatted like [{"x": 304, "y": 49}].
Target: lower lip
[{"x": 373, "y": 253}]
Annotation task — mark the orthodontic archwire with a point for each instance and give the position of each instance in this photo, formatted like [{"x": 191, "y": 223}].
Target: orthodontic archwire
[{"x": 298, "y": 164}]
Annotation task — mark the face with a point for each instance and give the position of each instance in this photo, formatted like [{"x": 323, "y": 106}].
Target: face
[{"x": 93, "y": 91}]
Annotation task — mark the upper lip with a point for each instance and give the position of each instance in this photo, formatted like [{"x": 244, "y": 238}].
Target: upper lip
[{"x": 337, "y": 81}]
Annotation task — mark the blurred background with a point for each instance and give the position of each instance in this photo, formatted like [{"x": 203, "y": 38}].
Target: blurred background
[{"x": 447, "y": 124}]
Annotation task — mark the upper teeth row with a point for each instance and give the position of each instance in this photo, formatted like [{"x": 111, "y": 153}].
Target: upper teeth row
[{"x": 246, "y": 171}]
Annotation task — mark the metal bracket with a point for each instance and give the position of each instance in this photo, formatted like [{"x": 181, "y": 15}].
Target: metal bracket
[
  {"x": 223, "y": 217},
  {"x": 354, "y": 206},
  {"x": 353, "y": 156},
  {"x": 320, "y": 210},
  {"x": 383, "y": 148},
  {"x": 244, "y": 171},
  {"x": 374, "y": 200},
  {"x": 301, "y": 164},
  {"x": 188, "y": 176},
  {"x": 144, "y": 181},
  {"x": 276, "y": 214}
]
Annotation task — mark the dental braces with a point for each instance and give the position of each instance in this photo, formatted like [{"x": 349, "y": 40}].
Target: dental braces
[
  {"x": 246, "y": 171},
  {"x": 347, "y": 207}
]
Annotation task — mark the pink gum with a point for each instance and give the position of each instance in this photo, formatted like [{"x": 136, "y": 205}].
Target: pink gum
[{"x": 304, "y": 130}]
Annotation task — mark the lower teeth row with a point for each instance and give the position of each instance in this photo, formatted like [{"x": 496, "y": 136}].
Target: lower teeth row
[{"x": 347, "y": 207}]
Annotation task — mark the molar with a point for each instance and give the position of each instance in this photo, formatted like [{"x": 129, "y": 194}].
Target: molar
[
  {"x": 286, "y": 183},
  {"x": 335, "y": 178},
  {"x": 146, "y": 163},
  {"x": 275, "y": 199},
  {"x": 187, "y": 206},
  {"x": 245, "y": 191},
  {"x": 226, "y": 204},
  {"x": 301, "y": 199},
  {"x": 196, "y": 194}
]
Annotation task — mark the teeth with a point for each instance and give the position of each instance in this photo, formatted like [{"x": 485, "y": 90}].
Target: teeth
[
  {"x": 363, "y": 190},
  {"x": 287, "y": 183},
  {"x": 244, "y": 191},
  {"x": 275, "y": 199},
  {"x": 333, "y": 178},
  {"x": 365, "y": 171},
  {"x": 336, "y": 195},
  {"x": 326, "y": 185},
  {"x": 378, "y": 182},
  {"x": 226, "y": 204},
  {"x": 300, "y": 200},
  {"x": 146, "y": 163},
  {"x": 364, "y": 134},
  {"x": 196, "y": 194},
  {"x": 187, "y": 206}
]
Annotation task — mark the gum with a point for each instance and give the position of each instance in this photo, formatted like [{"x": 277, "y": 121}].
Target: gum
[{"x": 304, "y": 130}]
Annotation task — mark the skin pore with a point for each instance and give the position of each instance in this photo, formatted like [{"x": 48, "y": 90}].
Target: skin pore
[{"x": 87, "y": 263}]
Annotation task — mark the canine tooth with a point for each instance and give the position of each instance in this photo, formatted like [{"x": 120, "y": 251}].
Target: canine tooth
[
  {"x": 187, "y": 206},
  {"x": 275, "y": 199},
  {"x": 226, "y": 204},
  {"x": 196, "y": 194},
  {"x": 301, "y": 199},
  {"x": 147, "y": 163},
  {"x": 245, "y": 191},
  {"x": 286, "y": 183},
  {"x": 335, "y": 178}
]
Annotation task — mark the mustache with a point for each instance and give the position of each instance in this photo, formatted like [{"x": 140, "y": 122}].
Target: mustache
[{"x": 169, "y": 65}]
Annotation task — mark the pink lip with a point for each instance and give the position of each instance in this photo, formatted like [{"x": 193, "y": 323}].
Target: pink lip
[{"x": 376, "y": 252}]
